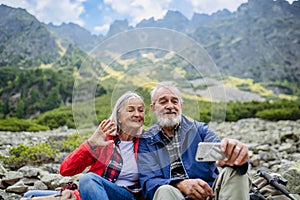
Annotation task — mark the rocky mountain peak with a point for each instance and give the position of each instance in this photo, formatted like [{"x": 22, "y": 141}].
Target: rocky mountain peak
[
  {"x": 269, "y": 8},
  {"x": 117, "y": 27}
]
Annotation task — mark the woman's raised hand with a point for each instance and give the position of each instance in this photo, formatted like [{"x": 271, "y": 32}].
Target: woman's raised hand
[{"x": 99, "y": 137}]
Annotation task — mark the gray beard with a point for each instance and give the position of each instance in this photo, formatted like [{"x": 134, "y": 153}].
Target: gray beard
[{"x": 168, "y": 122}]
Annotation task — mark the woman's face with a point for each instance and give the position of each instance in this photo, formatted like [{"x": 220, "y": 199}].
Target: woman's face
[{"x": 131, "y": 116}]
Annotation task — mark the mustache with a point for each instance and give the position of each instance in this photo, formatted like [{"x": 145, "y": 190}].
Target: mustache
[{"x": 171, "y": 111}]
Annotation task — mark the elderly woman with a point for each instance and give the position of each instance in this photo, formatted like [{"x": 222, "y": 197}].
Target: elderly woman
[{"x": 110, "y": 153}]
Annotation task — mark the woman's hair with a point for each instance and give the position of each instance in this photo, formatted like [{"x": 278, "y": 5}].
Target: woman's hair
[
  {"x": 168, "y": 85},
  {"x": 119, "y": 105}
]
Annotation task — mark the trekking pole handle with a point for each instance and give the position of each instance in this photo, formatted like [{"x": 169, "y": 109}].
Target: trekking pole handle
[{"x": 274, "y": 183}]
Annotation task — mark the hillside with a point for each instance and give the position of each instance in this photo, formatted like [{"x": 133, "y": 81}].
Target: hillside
[
  {"x": 260, "y": 41},
  {"x": 79, "y": 36},
  {"x": 37, "y": 66},
  {"x": 24, "y": 41}
]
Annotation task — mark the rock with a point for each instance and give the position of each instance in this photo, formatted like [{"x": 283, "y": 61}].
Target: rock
[
  {"x": 29, "y": 181},
  {"x": 39, "y": 185},
  {"x": 52, "y": 180},
  {"x": 265, "y": 147},
  {"x": 255, "y": 160},
  {"x": 12, "y": 196},
  {"x": 267, "y": 156},
  {"x": 12, "y": 177},
  {"x": 29, "y": 171},
  {"x": 3, "y": 171},
  {"x": 3, "y": 195},
  {"x": 51, "y": 167},
  {"x": 18, "y": 188},
  {"x": 292, "y": 175},
  {"x": 2, "y": 185},
  {"x": 295, "y": 156},
  {"x": 285, "y": 147}
]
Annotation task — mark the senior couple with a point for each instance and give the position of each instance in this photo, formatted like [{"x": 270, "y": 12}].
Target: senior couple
[{"x": 126, "y": 162}]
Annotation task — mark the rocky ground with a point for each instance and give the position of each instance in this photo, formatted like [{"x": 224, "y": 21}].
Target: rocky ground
[{"x": 274, "y": 147}]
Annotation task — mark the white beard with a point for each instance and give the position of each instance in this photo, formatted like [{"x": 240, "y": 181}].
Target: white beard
[{"x": 168, "y": 122}]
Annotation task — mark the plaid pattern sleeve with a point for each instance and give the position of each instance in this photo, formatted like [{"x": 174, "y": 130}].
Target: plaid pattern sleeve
[{"x": 114, "y": 166}]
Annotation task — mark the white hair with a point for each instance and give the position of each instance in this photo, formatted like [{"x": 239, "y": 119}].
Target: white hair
[{"x": 168, "y": 85}]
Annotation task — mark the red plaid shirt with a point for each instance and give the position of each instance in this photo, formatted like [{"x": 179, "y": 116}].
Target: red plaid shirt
[
  {"x": 104, "y": 161},
  {"x": 115, "y": 164}
]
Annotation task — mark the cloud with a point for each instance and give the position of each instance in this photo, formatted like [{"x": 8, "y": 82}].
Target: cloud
[
  {"x": 209, "y": 7},
  {"x": 96, "y": 15},
  {"x": 101, "y": 29},
  {"x": 55, "y": 11},
  {"x": 137, "y": 10},
  {"x": 206, "y": 6},
  {"x": 15, "y": 3}
]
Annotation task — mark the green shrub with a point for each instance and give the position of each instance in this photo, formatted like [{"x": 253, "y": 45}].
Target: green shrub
[
  {"x": 279, "y": 114},
  {"x": 73, "y": 141},
  {"x": 24, "y": 155},
  {"x": 277, "y": 110},
  {"x": 63, "y": 116},
  {"x": 57, "y": 118},
  {"x": 17, "y": 125}
]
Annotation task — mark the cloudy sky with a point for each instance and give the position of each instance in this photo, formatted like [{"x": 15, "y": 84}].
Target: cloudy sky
[{"x": 97, "y": 15}]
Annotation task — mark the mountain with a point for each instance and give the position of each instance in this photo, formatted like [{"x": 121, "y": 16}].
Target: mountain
[
  {"x": 172, "y": 20},
  {"x": 77, "y": 35},
  {"x": 24, "y": 40},
  {"x": 37, "y": 65},
  {"x": 117, "y": 27},
  {"x": 261, "y": 40}
]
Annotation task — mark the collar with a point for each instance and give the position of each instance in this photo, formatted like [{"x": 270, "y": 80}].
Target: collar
[
  {"x": 117, "y": 140},
  {"x": 177, "y": 126}
]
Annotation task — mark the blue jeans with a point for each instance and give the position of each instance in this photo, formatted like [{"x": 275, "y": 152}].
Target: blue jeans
[
  {"x": 39, "y": 193},
  {"x": 93, "y": 186}
]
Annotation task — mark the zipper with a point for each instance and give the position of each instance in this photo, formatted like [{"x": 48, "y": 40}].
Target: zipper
[{"x": 181, "y": 160}]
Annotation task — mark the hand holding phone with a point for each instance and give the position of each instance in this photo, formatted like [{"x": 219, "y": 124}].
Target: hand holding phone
[{"x": 209, "y": 152}]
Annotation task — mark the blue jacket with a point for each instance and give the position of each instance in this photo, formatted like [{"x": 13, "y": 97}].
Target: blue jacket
[{"x": 153, "y": 158}]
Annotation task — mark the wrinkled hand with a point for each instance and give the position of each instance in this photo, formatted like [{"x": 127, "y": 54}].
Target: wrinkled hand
[
  {"x": 106, "y": 127},
  {"x": 236, "y": 152},
  {"x": 195, "y": 188}
]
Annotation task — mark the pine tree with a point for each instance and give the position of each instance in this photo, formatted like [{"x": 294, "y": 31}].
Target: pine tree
[
  {"x": 6, "y": 107},
  {"x": 20, "y": 111}
]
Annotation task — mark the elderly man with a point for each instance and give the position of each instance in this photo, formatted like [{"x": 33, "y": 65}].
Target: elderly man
[{"x": 166, "y": 162}]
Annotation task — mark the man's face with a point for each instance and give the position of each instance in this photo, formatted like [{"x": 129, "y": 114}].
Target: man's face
[{"x": 167, "y": 107}]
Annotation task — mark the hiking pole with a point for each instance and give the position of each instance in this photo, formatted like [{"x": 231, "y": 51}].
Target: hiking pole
[{"x": 272, "y": 181}]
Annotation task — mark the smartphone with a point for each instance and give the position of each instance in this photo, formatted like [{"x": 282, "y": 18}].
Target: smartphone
[{"x": 209, "y": 152}]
